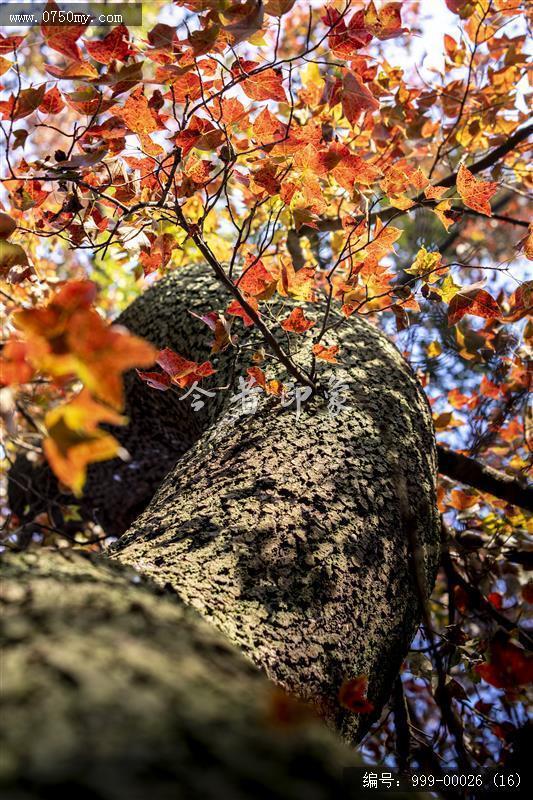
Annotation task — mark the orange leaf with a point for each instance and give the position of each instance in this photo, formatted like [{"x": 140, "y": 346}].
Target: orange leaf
[
  {"x": 26, "y": 103},
  {"x": 326, "y": 353},
  {"x": 68, "y": 337},
  {"x": 256, "y": 280},
  {"x": 137, "y": 114},
  {"x": 263, "y": 85},
  {"x": 474, "y": 193},
  {"x": 14, "y": 365},
  {"x": 74, "y": 440},
  {"x": 297, "y": 322},
  {"x": 477, "y": 302},
  {"x": 353, "y": 695},
  {"x": 462, "y": 500},
  {"x": 387, "y": 23}
]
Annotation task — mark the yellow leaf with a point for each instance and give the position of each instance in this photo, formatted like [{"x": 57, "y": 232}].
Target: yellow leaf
[
  {"x": 448, "y": 288},
  {"x": 427, "y": 266},
  {"x": 74, "y": 440},
  {"x": 434, "y": 349}
]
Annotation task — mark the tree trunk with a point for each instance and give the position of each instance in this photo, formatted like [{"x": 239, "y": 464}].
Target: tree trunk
[
  {"x": 113, "y": 692},
  {"x": 306, "y": 542}
]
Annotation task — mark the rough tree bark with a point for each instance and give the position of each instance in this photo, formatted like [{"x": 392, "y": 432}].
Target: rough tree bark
[{"x": 304, "y": 542}]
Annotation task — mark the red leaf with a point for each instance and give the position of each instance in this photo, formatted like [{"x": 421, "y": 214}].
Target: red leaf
[
  {"x": 113, "y": 47},
  {"x": 509, "y": 665},
  {"x": 62, "y": 38},
  {"x": 52, "y": 102},
  {"x": 236, "y": 310},
  {"x": 495, "y": 599},
  {"x": 181, "y": 370},
  {"x": 258, "y": 376},
  {"x": 346, "y": 38},
  {"x": 8, "y": 44},
  {"x": 156, "y": 380},
  {"x": 356, "y": 98},
  {"x": 477, "y": 302},
  {"x": 352, "y": 695}
]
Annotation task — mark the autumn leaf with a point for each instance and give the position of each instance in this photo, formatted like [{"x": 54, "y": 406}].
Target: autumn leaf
[
  {"x": 356, "y": 98},
  {"x": 353, "y": 695},
  {"x": 346, "y": 38},
  {"x": 462, "y": 500},
  {"x": 236, "y": 310},
  {"x": 137, "y": 114},
  {"x": 24, "y": 104},
  {"x": 181, "y": 370},
  {"x": 52, "y": 102},
  {"x": 477, "y": 302},
  {"x": 277, "y": 8},
  {"x": 427, "y": 266},
  {"x": 5, "y": 64},
  {"x": 11, "y": 255},
  {"x": 385, "y": 24},
  {"x": 15, "y": 367},
  {"x": 256, "y": 280},
  {"x": 74, "y": 440},
  {"x": 262, "y": 84},
  {"x": 9, "y": 44},
  {"x": 474, "y": 193},
  {"x": 258, "y": 376},
  {"x": 113, "y": 47},
  {"x": 520, "y": 302},
  {"x": 156, "y": 380},
  {"x": 326, "y": 353},
  {"x": 62, "y": 38},
  {"x": 68, "y": 337},
  {"x": 297, "y": 322},
  {"x": 509, "y": 665},
  {"x": 298, "y": 284}
]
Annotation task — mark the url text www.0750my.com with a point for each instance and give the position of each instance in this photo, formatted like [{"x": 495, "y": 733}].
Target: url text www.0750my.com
[{"x": 21, "y": 15}]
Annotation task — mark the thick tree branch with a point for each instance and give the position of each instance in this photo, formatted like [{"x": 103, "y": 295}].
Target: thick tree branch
[
  {"x": 493, "y": 157},
  {"x": 487, "y": 479}
]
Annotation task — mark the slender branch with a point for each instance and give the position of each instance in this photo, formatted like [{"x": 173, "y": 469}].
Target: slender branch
[
  {"x": 300, "y": 376},
  {"x": 479, "y": 602},
  {"x": 486, "y": 479}
]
